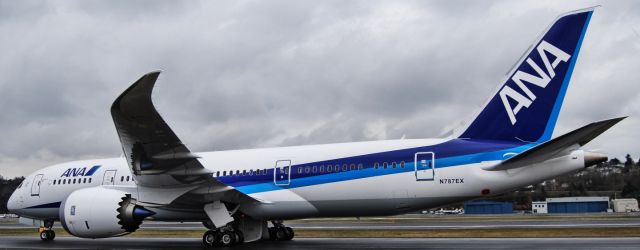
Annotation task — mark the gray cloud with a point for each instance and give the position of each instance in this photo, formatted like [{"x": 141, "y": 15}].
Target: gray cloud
[{"x": 243, "y": 74}]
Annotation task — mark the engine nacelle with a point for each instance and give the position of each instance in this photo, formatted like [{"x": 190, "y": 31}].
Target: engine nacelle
[{"x": 98, "y": 212}]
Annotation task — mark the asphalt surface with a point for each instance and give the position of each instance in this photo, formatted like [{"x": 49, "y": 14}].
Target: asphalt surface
[
  {"x": 324, "y": 243},
  {"x": 410, "y": 224}
]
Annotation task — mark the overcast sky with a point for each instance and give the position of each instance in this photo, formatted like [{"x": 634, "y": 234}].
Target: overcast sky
[{"x": 246, "y": 74}]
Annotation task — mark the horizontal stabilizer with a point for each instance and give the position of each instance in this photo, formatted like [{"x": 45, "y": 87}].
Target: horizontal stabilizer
[{"x": 553, "y": 147}]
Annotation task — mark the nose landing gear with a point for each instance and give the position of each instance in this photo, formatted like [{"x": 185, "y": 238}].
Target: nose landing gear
[{"x": 46, "y": 233}]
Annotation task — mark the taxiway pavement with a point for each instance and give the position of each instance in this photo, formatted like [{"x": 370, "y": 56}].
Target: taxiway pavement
[{"x": 325, "y": 243}]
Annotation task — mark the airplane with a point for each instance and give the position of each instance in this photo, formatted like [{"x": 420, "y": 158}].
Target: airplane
[{"x": 236, "y": 193}]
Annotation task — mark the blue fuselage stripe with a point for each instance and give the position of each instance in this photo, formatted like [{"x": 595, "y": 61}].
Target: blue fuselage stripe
[{"x": 451, "y": 153}]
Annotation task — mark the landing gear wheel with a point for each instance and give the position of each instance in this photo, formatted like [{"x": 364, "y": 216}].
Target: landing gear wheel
[
  {"x": 210, "y": 238},
  {"x": 290, "y": 233},
  {"x": 282, "y": 234},
  {"x": 272, "y": 233},
  {"x": 239, "y": 237},
  {"x": 44, "y": 235},
  {"x": 227, "y": 239},
  {"x": 47, "y": 235}
]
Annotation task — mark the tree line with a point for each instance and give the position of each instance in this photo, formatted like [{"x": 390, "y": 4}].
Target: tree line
[{"x": 7, "y": 186}]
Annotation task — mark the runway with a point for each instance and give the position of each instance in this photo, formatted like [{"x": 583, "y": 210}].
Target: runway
[{"x": 324, "y": 243}]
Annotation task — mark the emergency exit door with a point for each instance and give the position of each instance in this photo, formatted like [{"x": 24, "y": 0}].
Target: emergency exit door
[
  {"x": 35, "y": 185},
  {"x": 109, "y": 177},
  {"x": 425, "y": 166}
]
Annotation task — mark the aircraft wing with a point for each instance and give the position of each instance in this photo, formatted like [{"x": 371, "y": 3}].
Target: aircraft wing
[
  {"x": 163, "y": 166},
  {"x": 555, "y": 147},
  {"x": 154, "y": 153}
]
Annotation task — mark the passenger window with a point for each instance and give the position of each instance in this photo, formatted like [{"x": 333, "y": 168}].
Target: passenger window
[
  {"x": 384, "y": 165},
  {"x": 393, "y": 164},
  {"x": 244, "y": 172},
  {"x": 90, "y": 180},
  {"x": 352, "y": 167},
  {"x": 54, "y": 182},
  {"x": 237, "y": 172},
  {"x": 376, "y": 165},
  {"x": 315, "y": 169},
  {"x": 84, "y": 180},
  {"x": 344, "y": 167},
  {"x": 299, "y": 170},
  {"x": 122, "y": 178},
  {"x": 402, "y": 164},
  {"x": 224, "y": 173},
  {"x": 218, "y": 174},
  {"x": 250, "y": 171},
  {"x": 359, "y": 166},
  {"x": 329, "y": 169},
  {"x": 306, "y": 169},
  {"x": 321, "y": 168},
  {"x": 74, "y": 181},
  {"x": 128, "y": 176}
]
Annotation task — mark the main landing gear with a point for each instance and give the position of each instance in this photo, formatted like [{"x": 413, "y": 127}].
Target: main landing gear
[
  {"x": 231, "y": 235},
  {"x": 225, "y": 236},
  {"x": 280, "y": 232},
  {"x": 46, "y": 233}
]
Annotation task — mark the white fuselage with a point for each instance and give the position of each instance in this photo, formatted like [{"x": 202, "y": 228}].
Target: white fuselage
[{"x": 360, "y": 191}]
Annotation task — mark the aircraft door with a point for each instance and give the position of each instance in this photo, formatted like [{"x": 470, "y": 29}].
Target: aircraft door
[
  {"x": 425, "y": 166},
  {"x": 35, "y": 185},
  {"x": 282, "y": 173},
  {"x": 109, "y": 177}
]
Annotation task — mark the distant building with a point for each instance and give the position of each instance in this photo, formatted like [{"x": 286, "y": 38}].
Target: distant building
[
  {"x": 625, "y": 205},
  {"x": 539, "y": 207},
  {"x": 577, "y": 204},
  {"x": 488, "y": 207}
]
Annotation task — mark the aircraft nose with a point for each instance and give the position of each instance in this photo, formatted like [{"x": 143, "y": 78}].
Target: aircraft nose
[{"x": 11, "y": 203}]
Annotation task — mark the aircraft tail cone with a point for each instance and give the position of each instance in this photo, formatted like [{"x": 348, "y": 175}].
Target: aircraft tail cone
[{"x": 593, "y": 158}]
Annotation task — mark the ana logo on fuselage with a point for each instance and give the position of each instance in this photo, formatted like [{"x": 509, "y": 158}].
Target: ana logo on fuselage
[
  {"x": 74, "y": 172},
  {"x": 541, "y": 80}
]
